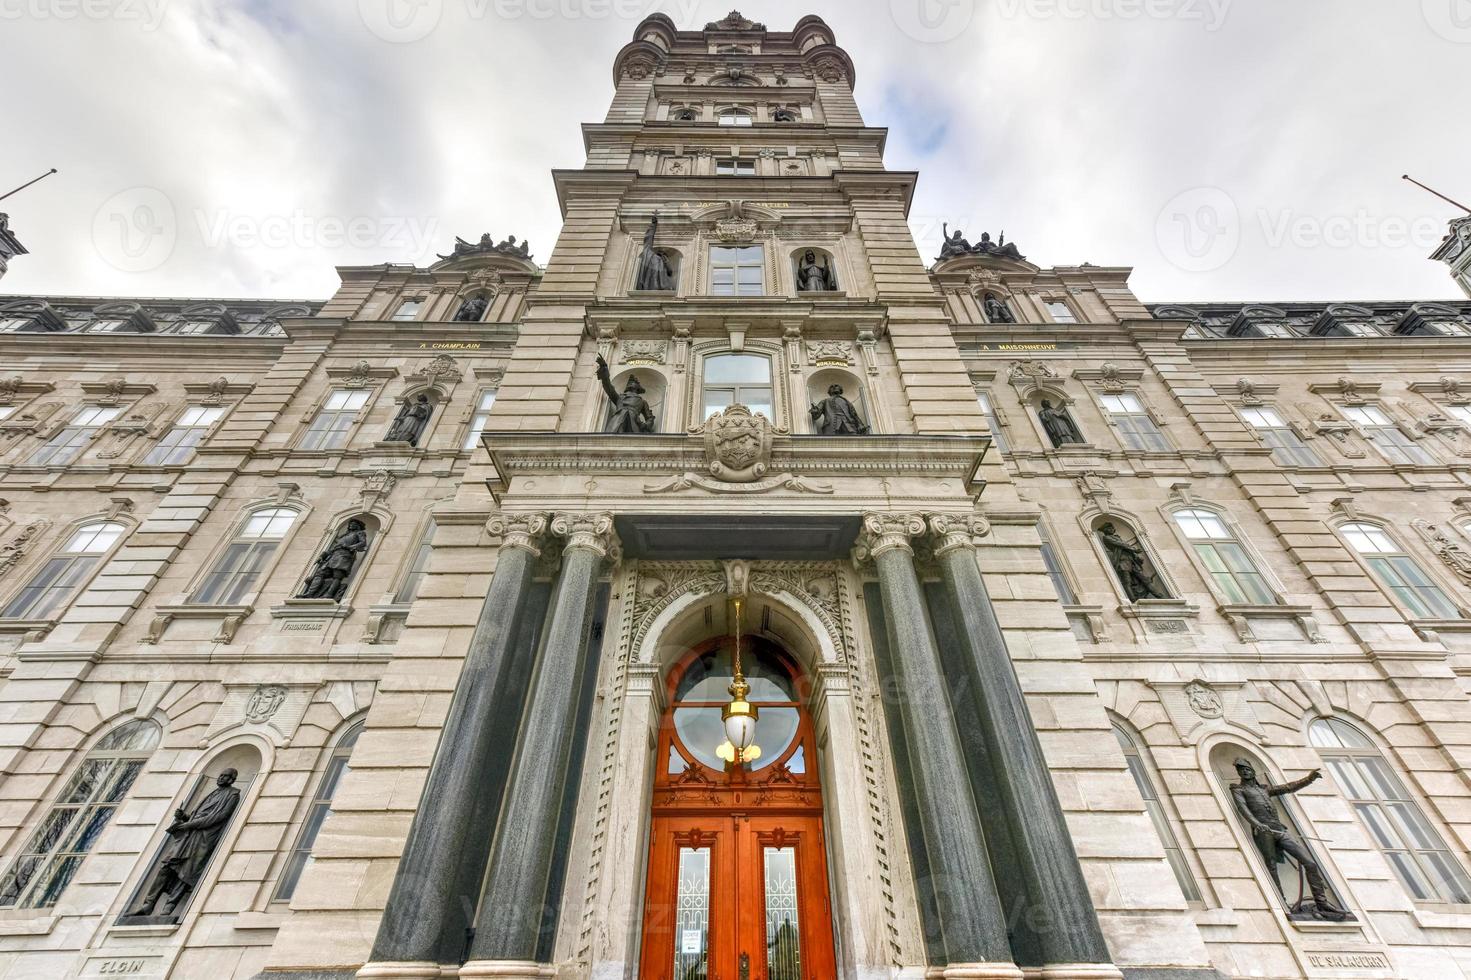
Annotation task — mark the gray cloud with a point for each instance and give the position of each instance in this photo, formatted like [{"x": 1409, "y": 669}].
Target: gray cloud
[{"x": 279, "y": 138}]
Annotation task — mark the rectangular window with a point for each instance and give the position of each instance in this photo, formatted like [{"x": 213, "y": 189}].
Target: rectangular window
[
  {"x": 68, "y": 444},
  {"x": 735, "y": 168},
  {"x": 6, "y": 411},
  {"x": 998, "y": 438},
  {"x": 107, "y": 326},
  {"x": 14, "y": 324},
  {"x": 1060, "y": 311},
  {"x": 1054, "y": 569},
  {"x": 1361, "y": 329},
  {"x": 1386, "y": 436},
  {"x": 1135, "y": 426},
  {"x": 1287, "y": 447},
  {"x": 735, "y": 117},
  {"x": 177, "y": 446},
  {"x": 1399, "y": 572},
  {"x": 414, "y": 577},
  {"x": 738, "y": 379},
  {"x": 196, "y": 327},
  {"x": 1231, "y": 569},
  {"x": 333, "y": 423},
  {"x": 737, "y": 271},
  {"x": 1275, "y": 330},
  {"x": 479, "y": 419},
  {"x": 52, "y": 587},
  {"x": 408, "y": 309}
]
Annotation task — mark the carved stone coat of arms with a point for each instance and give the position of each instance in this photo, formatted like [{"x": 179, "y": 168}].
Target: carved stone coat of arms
[{"x": 738, "y": 445}]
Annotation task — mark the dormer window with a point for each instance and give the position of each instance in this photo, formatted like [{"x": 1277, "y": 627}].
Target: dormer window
[
  {"x": 1352, "y": 329},
  {"x": 14, "y": 324},
  {"x": 1277, "y": 331},
  {"x": 107, "y": 326},
  {"x": 735, "y": 117}
]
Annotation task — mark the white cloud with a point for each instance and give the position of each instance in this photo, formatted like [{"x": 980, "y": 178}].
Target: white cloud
[{"x": 288, "y": 137}]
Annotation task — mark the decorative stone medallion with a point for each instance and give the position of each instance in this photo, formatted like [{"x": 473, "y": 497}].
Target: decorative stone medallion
[{"x": 738, "y": 445}]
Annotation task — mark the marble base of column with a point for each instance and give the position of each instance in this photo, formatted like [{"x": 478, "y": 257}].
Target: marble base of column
[
  {"x": 420, "y": 970},
  {"x": 1080, "y": 971},
  {"x": 983, "y": 971},
  {"x": 506, "y": 970}
]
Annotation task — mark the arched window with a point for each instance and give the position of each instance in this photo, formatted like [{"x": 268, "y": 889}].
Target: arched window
[
  {"x": 71, "y": 827},
  {"x": 236, "y": 571},
  {"x": 1174, "y": 854},
  {"x": 735, "y": 117},
  {"x": 1231, "y": 569},
  {"x": 51, "y": 588},
  {"x": 1399, "y": 572},
  {"x": 737, "y": 379},
  {"x": 1394, "y": 821},
  {"x": 316, "y": 815}
]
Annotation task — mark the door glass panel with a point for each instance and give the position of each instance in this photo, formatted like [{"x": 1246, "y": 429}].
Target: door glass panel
[
  {"x": 692, "y": 915},
  {"x": 783, "y": 943}
]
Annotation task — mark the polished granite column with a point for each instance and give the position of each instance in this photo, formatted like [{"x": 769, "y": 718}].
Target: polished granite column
[
  {"x": 423, "y": 898},
  {"x": 971, "y": 918},
  {"x": 1071, "y": 941},
  {"x": 513, "y": 909}
]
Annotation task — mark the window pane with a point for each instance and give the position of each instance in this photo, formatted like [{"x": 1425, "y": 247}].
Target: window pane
[
  {"x": 692, "y": 914},
  {"x": 783, "y": 922},
  {"x": 737, "y": 368}
]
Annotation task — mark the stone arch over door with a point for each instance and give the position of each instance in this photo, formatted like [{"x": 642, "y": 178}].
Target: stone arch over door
[{"x": 664, "y": 615}]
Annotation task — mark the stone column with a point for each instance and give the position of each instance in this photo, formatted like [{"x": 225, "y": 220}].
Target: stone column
[
  {"x": 513, "y": 909},
  {"x": 971, "y": 917},
  {"x": 422, "y": 900},
  {"x": 1071, "y": 941}
]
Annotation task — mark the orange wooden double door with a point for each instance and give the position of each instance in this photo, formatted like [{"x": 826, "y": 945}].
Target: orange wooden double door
[{"x": 737, "y": 886}]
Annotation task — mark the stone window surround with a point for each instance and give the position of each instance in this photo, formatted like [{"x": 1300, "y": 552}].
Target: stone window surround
[
  {"x": 1089, "y": 518},
  {"x": 1170, "y": 812},
  {"x": 710, "y": 105},
  {"x": 343, "y": 378},
  {"x": 490, "y": 381},
  {"x": 293, "y": 607},
  {"x": 1412, "y": 789},
  {"x": 1113, "y": 379},
  {"x": 36, "y": 629},
  {"x": 352, "y": 725},
  {"x": 168, "y": 426},
  {"x": 1288, "y": 422},
  {"x": 1238, "y": 535},
  {"x": 1429, "y": 569},
  {"x": 206, "y": 569},
  {"x": 1408, "y": 431}
]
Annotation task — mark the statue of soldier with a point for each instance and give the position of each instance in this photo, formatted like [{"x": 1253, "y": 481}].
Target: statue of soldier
[
  {"x": 1272, "y": 838},
  {"x": 472, "y": 310},
  {"x": 654, "y": 270},
  {"x": 1058, "y": 425},
  {"x": 836, "y": 416},
  {"x": 630, "y": 413},
  {"x": 996, "y": 310},
  {"x": 334, "y": 566},
  {"x": 1129, "y": 564},
  {"x": 408, "y": 425},
  {"x": 192, "y": 841}
]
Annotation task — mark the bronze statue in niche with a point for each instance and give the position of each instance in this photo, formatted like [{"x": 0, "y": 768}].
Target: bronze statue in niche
[
  {"x": 1058, "y": 425},
  {"x": 836, "y": 416},
  {"x": 193, "y": 838},
  {"x": 1131, "y": 565},
  {"x": 335, "y": 565},
  {"x": 408, "y": 425},
  {"x": 630, "y": 413},
  {"x": 654, "y": 269}
]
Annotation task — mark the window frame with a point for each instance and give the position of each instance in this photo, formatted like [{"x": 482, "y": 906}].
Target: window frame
[
  {"x": 736, "y": 267},
  {"x": 987, "y": 403},
  {"x": 1126, "y": 435},
  {"x": 183, "y": 428},
  {"x": 420, "y": 303},
  {"x": 1407, "y": 608},
  {"x": 1374, "y": 749},
  {"x": 324, "y": 406},
  {"x": 78, "y": 435},
  {"x": 1286, "y": 426},
  {"x": 264, "y": 570},
  {"x": 470, "y": 440},
  {"x": 701, "y": 390},
  {"x": 329, "y": 775},
  {"x": 93, "y": 802},
  {"x": 1234, "y": 536},
  {"x": 1163, "y": 816},
  {"x": 1048, "y": 302},
  {"x": 1409, "y": 448},
  {"x": 59, "y": 552},
  {"x": 735, "y": 167},
  {"x": 735, "y": 114}
]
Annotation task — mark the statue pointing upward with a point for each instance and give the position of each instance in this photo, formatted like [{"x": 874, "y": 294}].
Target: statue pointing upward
[{"x": 630, "y": 413}]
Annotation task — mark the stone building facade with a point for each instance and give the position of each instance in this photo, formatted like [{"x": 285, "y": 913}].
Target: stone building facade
[{"x": 1006, "y": 652}]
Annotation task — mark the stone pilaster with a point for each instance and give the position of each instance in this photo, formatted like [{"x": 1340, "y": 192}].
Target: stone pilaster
[
  {"x": 443, "y": 835},
  {"x": 1054, "y": 878},
  {"x": 513, "y": 912},
  {"x": 971, "y": 917}
]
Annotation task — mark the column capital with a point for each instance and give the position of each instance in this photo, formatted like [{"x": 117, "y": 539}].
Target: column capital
[
  {"x": 522, "y": 531},
  {"x": 591, "y": 532},
  {"x": 885, "y": 532},
  {"x": 952, "y": 531}
]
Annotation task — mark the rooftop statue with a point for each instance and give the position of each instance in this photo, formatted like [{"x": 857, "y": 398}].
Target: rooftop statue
[
  {"x": 955, "y": 245},
  {"x": 488, "y": 245}
]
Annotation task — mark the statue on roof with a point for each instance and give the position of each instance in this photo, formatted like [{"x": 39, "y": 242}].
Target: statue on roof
[
  {"x": 487, "y": 245},
  {"x": 734, "y": 21},
  {"x": 955, "y": 245}
]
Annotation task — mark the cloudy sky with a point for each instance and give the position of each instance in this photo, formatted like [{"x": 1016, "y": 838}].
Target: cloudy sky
[{"x": 1226, "y": 149}]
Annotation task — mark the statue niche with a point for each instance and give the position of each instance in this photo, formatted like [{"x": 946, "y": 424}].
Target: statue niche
[
  {"x": 1136, "y": 573},
  {"x": 193, "y": 836},
  {"x": 655, "y": 271},
  {"x": 814, "y": 276},
  {"x": 996, "y": 309},
  {"x": 630, "y": 411},
  {"x": 1256, "y": 808},
  {"x": 335, "y": 565},
  {"x": 408, "y": 425},
  {"x": 836, "y": 415},
  {"x": 472, "y": 309},
  {"x": 1059, "y": 425}
]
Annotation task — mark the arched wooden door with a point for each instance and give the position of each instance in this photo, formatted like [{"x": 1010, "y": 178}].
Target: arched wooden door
[{"x": 737, "y": 886}]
